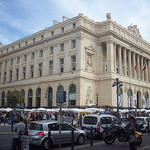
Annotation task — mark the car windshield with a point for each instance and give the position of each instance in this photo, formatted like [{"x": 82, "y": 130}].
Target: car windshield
[
  {"x": 90, "y": 120},
  {"x": 34, "y": 126},
  {"x": 139, "y": 119},
  {"x": 106, "y": 120}
]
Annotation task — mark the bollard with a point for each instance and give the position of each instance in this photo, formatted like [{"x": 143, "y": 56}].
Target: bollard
[
  {"x": 49, "y": 140},
  {"x": 91, "y": 136},
  {"x": 72, "y": 143},
  {"x": 148, "y": 126}
]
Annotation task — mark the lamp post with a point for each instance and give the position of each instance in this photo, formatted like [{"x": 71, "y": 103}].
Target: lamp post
[{"x": 118, "y": 84}]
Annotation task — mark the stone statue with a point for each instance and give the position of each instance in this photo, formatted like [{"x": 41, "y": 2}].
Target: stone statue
[
  {"x": 89, "y": 96},
  {"x": 108, "y": 16},
  {"x": 134, "y": 29},
  {"x": 89, "y": 61}
]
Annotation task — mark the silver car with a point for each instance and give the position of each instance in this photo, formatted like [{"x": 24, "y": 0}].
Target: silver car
[{"x": 38, "y": 130}]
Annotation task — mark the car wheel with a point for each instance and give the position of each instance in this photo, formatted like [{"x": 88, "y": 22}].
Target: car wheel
[
  {"x": 81, "y": 139},
  {"x": 44, "y": 145}
]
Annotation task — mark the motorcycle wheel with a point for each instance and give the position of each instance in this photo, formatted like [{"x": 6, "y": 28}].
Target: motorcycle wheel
[
  {"x": 109, "y": 139},
  {"x": 138, "y": 141}
]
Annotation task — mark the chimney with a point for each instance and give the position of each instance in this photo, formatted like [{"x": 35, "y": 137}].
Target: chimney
[
  {"x": 55, "y": 22},
  {"x": 64, "y": 18}
]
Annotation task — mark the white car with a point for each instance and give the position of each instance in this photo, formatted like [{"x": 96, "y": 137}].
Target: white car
[
  {"x": 98, "y": 123},
  {"x": 144, "y": 122}
]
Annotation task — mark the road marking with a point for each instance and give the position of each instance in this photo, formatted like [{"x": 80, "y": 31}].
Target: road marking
[{"x": 145, "y": 147}]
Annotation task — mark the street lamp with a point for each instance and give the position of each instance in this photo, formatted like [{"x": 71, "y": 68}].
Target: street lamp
[{"x": 118, "y": 84}]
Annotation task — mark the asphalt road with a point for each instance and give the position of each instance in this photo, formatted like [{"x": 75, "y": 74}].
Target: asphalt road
[{"x": 6, "y": 139}]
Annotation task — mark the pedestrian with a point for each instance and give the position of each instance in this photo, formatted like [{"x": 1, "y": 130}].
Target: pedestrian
[
  {"x": 130, "y": 128},
  {"x": 19, "y": 130}
]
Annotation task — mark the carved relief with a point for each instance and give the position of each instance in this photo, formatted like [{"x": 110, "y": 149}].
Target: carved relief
[
  {"x": 89, "y": 96},
  {"x": 135, "y": 30},
  {"x": 89, "y": 61},
  {"x": 108, "y": 16}
]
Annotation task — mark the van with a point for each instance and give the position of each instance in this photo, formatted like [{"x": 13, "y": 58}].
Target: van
[{"x": 98, "y": 123}]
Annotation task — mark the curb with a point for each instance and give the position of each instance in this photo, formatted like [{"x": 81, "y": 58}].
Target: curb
[{"x": 5, "y": 133}]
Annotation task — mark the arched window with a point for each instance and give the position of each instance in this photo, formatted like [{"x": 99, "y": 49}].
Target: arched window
[
  {"x": 72, "y": 95},
  {"x": 50, "y": 97},
  {"x": 120, "y": 97},
  {"x": 60, "y": 88},
  {"x": 3, "y": 99},
  {"x": 146, "y": 100},
  {"x": 23, "y": 95},
  {"x": 130, "y": 98},
  {"x": 30, "y": 95},
  {"x": 38, "y": 97}
]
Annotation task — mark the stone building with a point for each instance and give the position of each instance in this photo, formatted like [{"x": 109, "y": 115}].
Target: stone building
[{"x": 82, "y": 57}]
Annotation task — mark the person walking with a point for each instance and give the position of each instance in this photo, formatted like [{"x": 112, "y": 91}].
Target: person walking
[
  {"x": 19, "y": 129},
  {"x": 130, "y": 128}
]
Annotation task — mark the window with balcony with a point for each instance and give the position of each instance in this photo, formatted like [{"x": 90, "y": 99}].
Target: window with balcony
[
  {"x": 32, "y": 71},
  {"x": 51, "y": 67},
  {"x": 61, "y": 65},
  {"x": 73, "y": 60},
  {"x": 62, "y": 47},
  {"x": 40, "y": 69}
]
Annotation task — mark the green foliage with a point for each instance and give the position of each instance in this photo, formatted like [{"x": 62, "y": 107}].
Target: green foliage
[{"x": 14, "y": 98}]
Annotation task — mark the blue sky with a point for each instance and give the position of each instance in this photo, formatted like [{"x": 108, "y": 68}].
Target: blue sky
[{"x": 20, "y": 18}]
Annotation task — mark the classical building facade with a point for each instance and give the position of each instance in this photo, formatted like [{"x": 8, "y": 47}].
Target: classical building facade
[{"x": 82, "y": 57}]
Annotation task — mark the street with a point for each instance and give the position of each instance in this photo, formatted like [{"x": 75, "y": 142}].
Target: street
[{"x": 6, "y": 139}]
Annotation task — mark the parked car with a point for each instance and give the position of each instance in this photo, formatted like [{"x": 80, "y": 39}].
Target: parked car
[
  {"x": 98, "y": 122},
  {"x": 38, "y": 131},
  {"x": 143, "y": 123}
]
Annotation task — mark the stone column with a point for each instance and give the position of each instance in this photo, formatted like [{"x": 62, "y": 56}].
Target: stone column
[
  {"x": 134, "y": 71},
  {"x": 110, "y": 56},
  {"x": 129, "y": 64},
  {"x": 114, "y": 48},
  {"x": 120, "y": 61},
  {"x": 138, "y": 67},
  {"x": 142, "y": 73},
  {"x": 125, "y": 61}
]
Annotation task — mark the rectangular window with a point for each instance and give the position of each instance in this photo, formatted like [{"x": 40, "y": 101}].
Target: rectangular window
[
  {"x": 105, "y": 66},
  {"x": 0, "y": 65},
  {"x": 51, "y": 50},
  {"x": 41, "y": 53},
  {"x": 50, "y": 67},
  {"x": 40, "y": 69},
  {"x": 26, "y": 42},
  {"x": 73, "y": 59},
  {"x": 62, "y": 29},
  {"x": 25, "y": 58},
  {"x": 5, "y": 76},
  {"x": 33, "y": 40},
  {"x": 32, "y": 71},
  {"x": 11, "y": 62},
  {"x": 10, "y": 75},
  {"x": 24, "y": 72},
  {"x": 18, "y": 60},
  {"x": 52, "y": 33},
  {"x": 61, "y": 65},
  {"x": 5, "y": 63},
  {"x": 32, "y": 56},
  {"x": 73, "y": 44},
  {"x": 74, "y": 25},
  {"x": 62, "y": 47},
  {"x": 17, "y": 74}
]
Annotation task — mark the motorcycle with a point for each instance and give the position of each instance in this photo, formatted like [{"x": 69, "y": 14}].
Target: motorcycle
[{"x": 118, "y": 132}]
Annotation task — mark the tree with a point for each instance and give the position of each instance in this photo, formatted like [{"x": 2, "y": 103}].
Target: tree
[{"x": 14, "y": 98}]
